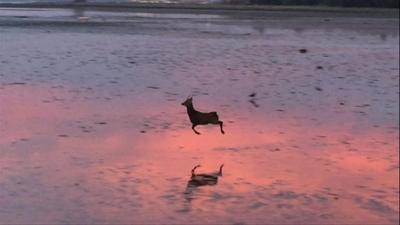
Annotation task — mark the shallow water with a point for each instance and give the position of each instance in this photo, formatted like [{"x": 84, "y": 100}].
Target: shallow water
[{"x": 92, "y": 130}]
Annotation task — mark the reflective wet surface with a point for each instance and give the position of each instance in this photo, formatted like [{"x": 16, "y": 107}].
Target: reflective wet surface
[{"x": 92, "y": 129}]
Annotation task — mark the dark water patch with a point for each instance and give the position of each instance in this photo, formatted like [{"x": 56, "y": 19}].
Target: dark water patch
[
  {"x": 327, "y": 216},
  {"x": 229, "y": 149},
  {"x": 153, "y": 87},
  {"x": 375, "y": 206},
  {"x": 16, "y": 83},
  {"x": 362, "y": 106},
  {"x": 171, "y": 93},
  {"x": 303, "y": 50},
  {"x": 183, "y": 210},
  {"x": 258, "y": 205},
  {"x": 286, "y": 195},
  {"x": 87, "y": 129},
  {"x": 320, "y": 198},
  {"x": 318, "y": 88},
  {"x": 275, "y": 150},
  {"x": 239, "y": 223},
  {"x": 215, "y": 197},
  {"x": 284, "y": 206},
  {"x": 361, "y": 112},
  {"x": 333, "y": 195}
]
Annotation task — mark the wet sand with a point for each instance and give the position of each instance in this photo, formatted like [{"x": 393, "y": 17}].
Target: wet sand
[{"x": 92, "y": 130}]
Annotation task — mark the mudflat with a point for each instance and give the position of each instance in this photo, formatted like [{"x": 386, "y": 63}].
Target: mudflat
[{"x": 92, "y": 129}]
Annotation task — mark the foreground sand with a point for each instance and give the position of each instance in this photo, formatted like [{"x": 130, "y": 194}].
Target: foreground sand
[{"x": 92, "y": 130}]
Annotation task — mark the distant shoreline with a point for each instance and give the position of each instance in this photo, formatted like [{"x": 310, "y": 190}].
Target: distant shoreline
[{"x": 206, "y": 8}]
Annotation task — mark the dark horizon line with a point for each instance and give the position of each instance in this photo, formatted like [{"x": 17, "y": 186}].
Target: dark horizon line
[{"x": 199, "y": 6}]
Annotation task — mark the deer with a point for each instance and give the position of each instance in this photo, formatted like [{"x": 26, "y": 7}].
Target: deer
[{"x": 201, "y": 118}]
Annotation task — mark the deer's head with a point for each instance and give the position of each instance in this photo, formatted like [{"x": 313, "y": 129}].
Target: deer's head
[{"x": 188, "y": 101}]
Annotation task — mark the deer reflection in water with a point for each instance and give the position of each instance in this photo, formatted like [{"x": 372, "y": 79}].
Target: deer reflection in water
[
  {"x": 201, "y": 179},
  {"x": 201, "y": 118}
]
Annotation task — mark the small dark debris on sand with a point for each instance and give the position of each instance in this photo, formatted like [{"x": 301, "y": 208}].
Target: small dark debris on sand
[
  {"x": 253, "y": 100},
  {"x": 86, "y": 129},
  {"x": 254, "y": 103},
  {"x": 142, "y": 131},
  {"x": 16, "y": 83},
  {"x": 303, "y": 50},
  {"x": 362, "y": 106},
  {"x": 153, "y": 87},
  {"x": 318, "y": 88},
  {"x": 101, "y": 123},
  {"x": 320, "y": 67}
]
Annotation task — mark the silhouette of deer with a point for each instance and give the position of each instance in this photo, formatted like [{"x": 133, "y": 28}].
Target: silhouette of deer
[
  {"x": 198, "y": 180},
  {"x": 204, "y": 178},
  {"x": 201, "y": 118}
]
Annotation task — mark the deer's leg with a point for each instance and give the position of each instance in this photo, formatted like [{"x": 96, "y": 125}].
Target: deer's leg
[
  {"x": 194, "y": 129},
  {"x": 220, "y": 125}
]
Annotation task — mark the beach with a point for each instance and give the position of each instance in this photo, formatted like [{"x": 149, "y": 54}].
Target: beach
[{"x": 92, "y": 129}]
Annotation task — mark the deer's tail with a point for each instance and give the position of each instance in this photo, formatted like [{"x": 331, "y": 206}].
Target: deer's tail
[{"x": 215, "y": 114}]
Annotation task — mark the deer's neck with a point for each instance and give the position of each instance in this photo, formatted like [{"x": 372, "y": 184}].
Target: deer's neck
[{"x": 190, "y": 109}]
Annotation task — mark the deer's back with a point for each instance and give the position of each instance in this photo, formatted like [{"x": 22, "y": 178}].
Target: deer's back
[{"x": 197, "y": 117}]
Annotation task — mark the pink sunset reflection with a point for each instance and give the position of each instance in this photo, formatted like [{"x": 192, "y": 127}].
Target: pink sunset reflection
[
  {"x": 101, "y": 163},
  {"x": 92, "y": 129}
]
